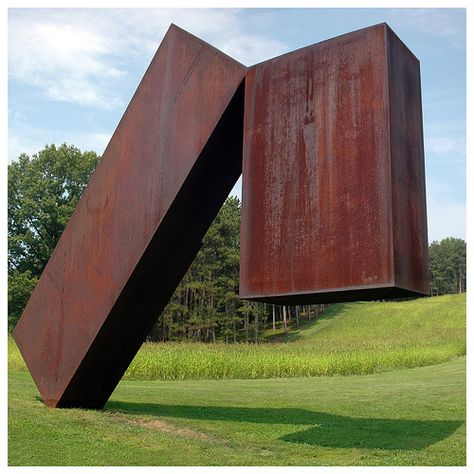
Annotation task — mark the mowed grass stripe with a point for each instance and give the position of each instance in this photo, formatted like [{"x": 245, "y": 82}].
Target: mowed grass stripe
[{"x": 403, "y": 417}]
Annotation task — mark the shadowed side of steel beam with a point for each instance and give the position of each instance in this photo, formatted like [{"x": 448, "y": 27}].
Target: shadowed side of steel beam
[{"x": 163, "y": 264}]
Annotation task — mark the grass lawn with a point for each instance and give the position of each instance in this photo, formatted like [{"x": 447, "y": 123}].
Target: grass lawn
[{"x": 403, "y": 417}]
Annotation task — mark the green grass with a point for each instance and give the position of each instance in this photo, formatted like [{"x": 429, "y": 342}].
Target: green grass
[
  {"x": 411, "y": 416},
  {"x": 352, "y": 338},
  {"x": 404, "y": 417}
]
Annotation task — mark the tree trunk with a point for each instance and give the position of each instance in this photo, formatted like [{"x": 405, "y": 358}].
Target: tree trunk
[
  {"x": 273, "y": 310},
  {"x": 284, "y": 318},
  {"x": 209, "y": 310},
  {"x": 297, "y": 312},
  {"x": 246, "y": 322},
  {"x": 256, "y": 327}
]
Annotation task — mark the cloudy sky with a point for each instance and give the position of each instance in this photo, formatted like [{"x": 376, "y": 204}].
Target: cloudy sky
[{"x": 73, "y": 72}]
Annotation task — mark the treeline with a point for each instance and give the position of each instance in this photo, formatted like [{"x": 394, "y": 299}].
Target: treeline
[
  {"x": 43, "y": 191},
  {"x": 447, "y": 264}
]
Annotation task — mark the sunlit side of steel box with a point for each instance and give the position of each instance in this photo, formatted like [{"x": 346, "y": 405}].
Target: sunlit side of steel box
[{"x": 334, "y": 201}]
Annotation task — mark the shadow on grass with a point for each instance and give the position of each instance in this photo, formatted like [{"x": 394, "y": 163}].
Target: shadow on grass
[{"x": 326, "y": 430}]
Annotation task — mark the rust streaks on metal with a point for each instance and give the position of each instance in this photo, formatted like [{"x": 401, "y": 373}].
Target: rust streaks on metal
[
  {"x": 332, "y": 138},
  {"x": 138, "y": 225}
]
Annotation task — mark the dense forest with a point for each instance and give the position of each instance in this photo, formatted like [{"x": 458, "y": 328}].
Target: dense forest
[{"x": 43, "y": 190}]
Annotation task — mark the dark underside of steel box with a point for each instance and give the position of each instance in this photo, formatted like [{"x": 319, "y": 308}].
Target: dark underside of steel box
[{"x": 340, "y": 295}]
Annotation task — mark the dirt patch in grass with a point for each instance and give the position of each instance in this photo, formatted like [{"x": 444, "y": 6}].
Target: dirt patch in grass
[
  {"x": 166, "y": 427},
  {"x": 160, "y": 425}
]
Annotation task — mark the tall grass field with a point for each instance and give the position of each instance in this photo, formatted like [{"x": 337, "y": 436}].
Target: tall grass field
[{"x": 347, "y": 339}]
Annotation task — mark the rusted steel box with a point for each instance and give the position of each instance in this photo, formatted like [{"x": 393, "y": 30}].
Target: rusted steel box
[
  {"x": 175, "y": 156},
  {"x": 334, "y": 204}
]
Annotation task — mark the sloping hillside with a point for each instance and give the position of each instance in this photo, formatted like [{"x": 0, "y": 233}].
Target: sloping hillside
[{"x": 436, "y": 319}]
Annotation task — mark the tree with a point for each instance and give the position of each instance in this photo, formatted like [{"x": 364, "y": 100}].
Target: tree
[
  {"x": 43, "y": 191},
  {"x": 20, "y": 286},
  {"x": 447, "y": 266}
]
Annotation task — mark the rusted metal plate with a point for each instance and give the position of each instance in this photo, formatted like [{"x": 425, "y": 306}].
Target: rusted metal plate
[
  {"x": 408, "y": 168},
  {"x": 169, "y": 166},
  {"x": 333, "y": 173}
]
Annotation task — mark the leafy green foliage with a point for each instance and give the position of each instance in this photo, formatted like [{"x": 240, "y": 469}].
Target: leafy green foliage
[
  {"x": 20, "y": 286},
  {"x": 447, "y": 263},
  {"x": 43, "y": 191}
]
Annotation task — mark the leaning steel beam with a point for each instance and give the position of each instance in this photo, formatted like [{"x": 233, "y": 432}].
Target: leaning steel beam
[
  {"x": 169, "y": 166},
  {"x": 334, "y": 205}
]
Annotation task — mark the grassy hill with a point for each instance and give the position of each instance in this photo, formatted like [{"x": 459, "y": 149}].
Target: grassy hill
[
  {"x": 432, "y": 318},
  {"x": 349, "y": 338}
]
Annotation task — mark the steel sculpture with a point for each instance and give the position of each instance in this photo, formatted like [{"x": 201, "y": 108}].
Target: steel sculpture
[
  {"x": 334, "y": 184},
  {"x": 174, "y": 158},
  {"x": 333, "y": 198}
]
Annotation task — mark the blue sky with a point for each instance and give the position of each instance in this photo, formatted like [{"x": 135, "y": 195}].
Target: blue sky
[{"x": 73, "y": 72}]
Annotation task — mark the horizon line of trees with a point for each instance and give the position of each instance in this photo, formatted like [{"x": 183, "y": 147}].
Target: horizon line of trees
[{"x": 43, "y": 191}]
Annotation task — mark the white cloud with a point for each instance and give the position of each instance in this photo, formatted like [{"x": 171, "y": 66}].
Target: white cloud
[
  {"x": 18, "y": 144},
  {"x": 226, "y": 29},
  {"x": 68, "y": 62},
  {"x": 79, "y": 56},
  {"x": 443, "y": 145},
  {"x": 31, "y": 141},
  {"x": 91, "y": 141},
  {"x": 252, "y": 49},
  {"x": 446, "y": 220},
  {"x": 447, "y": 23},
  {"x": 446, "y": 211}
]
